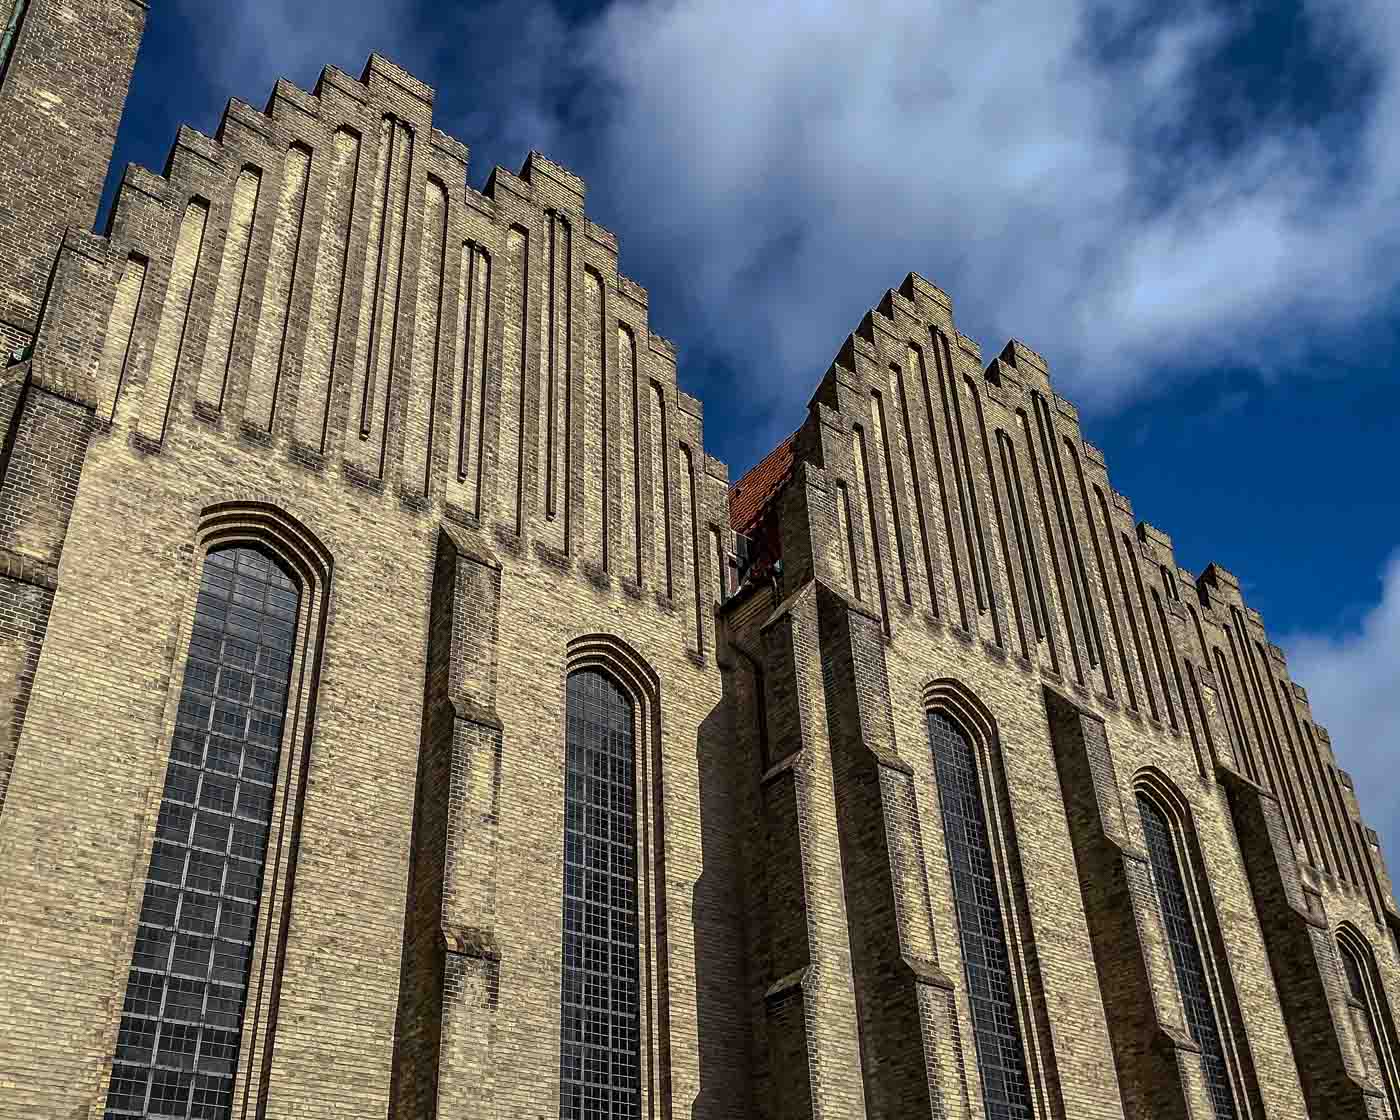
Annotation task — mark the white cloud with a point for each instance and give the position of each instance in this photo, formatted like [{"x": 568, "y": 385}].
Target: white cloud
[
  {"x": 793, "y": 160},
  {"x": 772, "y": 167},
  {"x": 1353, "y": 685}
]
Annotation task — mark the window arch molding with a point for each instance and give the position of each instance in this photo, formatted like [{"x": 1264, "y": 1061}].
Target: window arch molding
[
  {"x": 626, "y": 668},
  {"x": 1367, "y": 997},
  {"x": 629, "y": 669},
  {"x": 1161, "y": 794},
  {"x": 957, "y": 703},
  {"x": 963, "y": 706},
  {"x": 302, "y": 557}
]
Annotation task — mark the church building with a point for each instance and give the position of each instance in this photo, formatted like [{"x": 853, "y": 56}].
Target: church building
[{"x": 403, "y": 717}]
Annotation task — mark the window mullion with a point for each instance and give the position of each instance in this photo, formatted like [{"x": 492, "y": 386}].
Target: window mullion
[
  {"x": 982, "y": 934},
  {"x": 600, "y": 993},
  {"x": 238, "y": 665}
]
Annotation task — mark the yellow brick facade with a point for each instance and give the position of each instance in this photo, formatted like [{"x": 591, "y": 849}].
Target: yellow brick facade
[{"x": 445, "y": 415}]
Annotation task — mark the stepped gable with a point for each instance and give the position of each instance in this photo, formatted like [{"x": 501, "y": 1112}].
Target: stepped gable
[
  {"x": 319, "y": 280},
  {"x": 533, "y": 803}
]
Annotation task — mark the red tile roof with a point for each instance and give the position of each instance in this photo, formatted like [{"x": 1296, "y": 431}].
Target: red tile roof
[{"x": 749, "y": 497}]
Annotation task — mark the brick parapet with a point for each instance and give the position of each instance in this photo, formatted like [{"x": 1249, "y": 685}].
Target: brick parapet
[
  {"x": 464, "y": 399},
  {"x": 1014, "y": 533}
]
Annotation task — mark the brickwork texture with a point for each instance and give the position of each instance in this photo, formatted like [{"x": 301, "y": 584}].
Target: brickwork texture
[{"x": 902, "y": 699}]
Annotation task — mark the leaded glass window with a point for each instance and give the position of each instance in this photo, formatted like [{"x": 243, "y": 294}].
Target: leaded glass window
[
  {"x": 599, "y": 1052},
  {"x": 1001, "y": 1058},
  {"x": 177, "y": 1047},
  {"x": 1363, "y": 984},
  {"x": 9, "y": 31},
  {"x": 1180, "y": 926}
]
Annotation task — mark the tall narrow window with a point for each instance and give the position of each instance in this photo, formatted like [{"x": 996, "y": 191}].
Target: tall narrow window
[
  {"x": 599, "y": 1052},
  {"x": 178, "y": 1044},
  {"x": 1001, "y": 1058},
  {"x": 1178, "y": 920},
  {"x": 14, "y": 17},
  {"x": 1363, "y": 984}
]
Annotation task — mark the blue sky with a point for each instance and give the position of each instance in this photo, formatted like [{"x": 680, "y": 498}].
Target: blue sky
[{"x": 1193, "y": 211}]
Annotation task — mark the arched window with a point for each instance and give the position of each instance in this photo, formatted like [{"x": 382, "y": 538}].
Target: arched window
[
  {"x": 1001, "y": 1057},
  {"x": 599, "y": 1051},
  {"x": 1181, "y": 926},
  {"x": 179, "y": 1038},
  {"x": 1364, "y": 987}
]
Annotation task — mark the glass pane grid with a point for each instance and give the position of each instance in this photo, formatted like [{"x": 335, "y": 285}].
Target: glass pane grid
[
  {"x": 1352, "y": 965},
  {"x": 177, "y": 1047},
  {"x": 1001, "y": 1059},
  {"x": 599, "y": 1035},
  {"x": 1186, "y": 956}
]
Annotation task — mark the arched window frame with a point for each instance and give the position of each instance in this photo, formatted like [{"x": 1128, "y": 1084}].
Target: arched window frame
[
  {"x": 1371, "y": 1009},
  {"x": 626, "y": 668},
  {"x": 300, "y": 552},
  {"x": 1156, "y": 787},
  {"x": 953, "y": 700}
]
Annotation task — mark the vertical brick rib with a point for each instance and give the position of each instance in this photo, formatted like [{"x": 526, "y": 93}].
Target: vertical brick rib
[
  {"x": 1071, "y": 638},
  {"x": 509, "y": 457},
  {"x": 871, "y": 527},
  {"x": 551, "y": 344},
  {"x": 974, "y": 501},
  {"x": 1078, "y": 566},
  {"x": 115, "y": 366},
  {"x": 943, "y": 365},
  {"x": 629, "y": 433},
  {"x": 1259, "y": 679},
  {"x": 1240, "y": 687},
  {"x": 480, "y": 311},
  {"x": 1064, "y": 515},
  {"x": 269, "y": 351},
  {"x": 1236, "y": 718},
  {"x": 175, "y": 316},
  {"x": 847, "y": 530},
  {"x": 1127, "y": 600},
  {"x": 659, "y": 441},
  {"x": 1030, "y": 550},
  {"x": 421, "y": 412},
  {"x": 914, "y": 482},
  {"x": 379, "y": 317},
  {"x": 926, "y": 376},
  {"x": 1317, "y": 847},
  {"x": 889, "y": 491},
  {"x": 1026, "y": 588},
  {"x": 1110, "y": 606},
  {"x": 1007, "y": 565},
  {"x": 228, "y": 294},
  {"x": 556, "y": 391},
  {"x": 1331, "y": 811},
  {"x": 328, "y": 295},
  {"x": 381, "y": 221},
  {"x": 1161, "y": 612},
  {"x": 594, "y": 427},
  {"x": 689, "y": 548},
  {"x": 1130, "y": 550}
]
